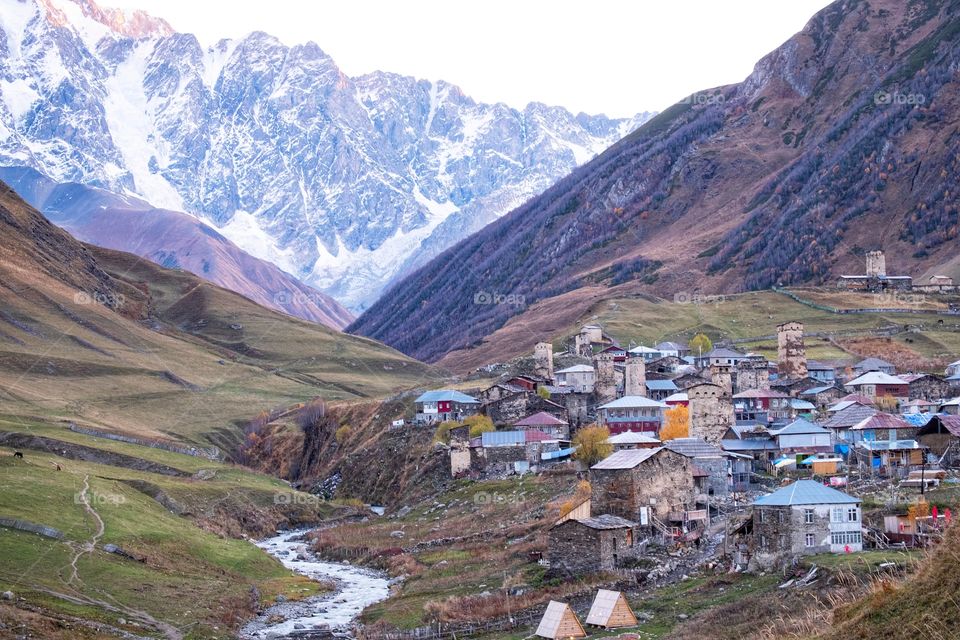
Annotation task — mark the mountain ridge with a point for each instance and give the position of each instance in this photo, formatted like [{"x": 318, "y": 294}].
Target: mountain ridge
[
  {"x": 346, "y": 183},
  {"x": 783, "y": 178}
]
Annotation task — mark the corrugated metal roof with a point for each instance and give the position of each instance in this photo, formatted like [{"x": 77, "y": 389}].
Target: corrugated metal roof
[
  {"x": 627, "y": 459},
  {"x": 802, "y": 405},
  {"x": 577, "y": 368},
  {"x": 875, "y": 377},
  {"x": 681, "y": 396},
  {"x": 805, "y": 492},
  {"x": 748, "y": 445},
  {"x": 503, "y": 438},
  {"x": 693, "y": 448},
  {"x": 800, "y": 426},
  {"x": 445, "y": 395},
  {"x": 630, "y": 402},
  {"x": 661, "y": 385},
  {"x": 632, "y": 437},
  {"x": 815, "y": 390},
  {"x": 888, "y": 445},
  {"x": 883, "y": 421},
  {"x": 539, "y": 419},
  {"x": 848, "y": 417},
  {"x": 760, "y": 393},
  {"x": 606, "y": 521}
]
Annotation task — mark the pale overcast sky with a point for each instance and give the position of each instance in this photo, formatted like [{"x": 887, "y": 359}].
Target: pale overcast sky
[{"x": 600, "y": 56}]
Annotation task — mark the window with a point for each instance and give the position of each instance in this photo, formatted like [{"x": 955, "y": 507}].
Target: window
[
  {"x": 808, "y": 517},
  {"x": 762, "y": 513},
  {"x": 780, "y": 517},
  {"x": 837, "y": 515},
  {"x": 852, "y": 515},
  {"x": 810, "y": 540},
  {"x": 845, "y": 537}
]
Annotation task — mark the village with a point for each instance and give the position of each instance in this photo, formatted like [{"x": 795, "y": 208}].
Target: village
[{"x": 709, "y": 453}]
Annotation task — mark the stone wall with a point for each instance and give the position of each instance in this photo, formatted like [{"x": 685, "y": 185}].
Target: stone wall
[
  {"x": 752, "y": 374},
  {"x": 660, "y": 482},
  {"x": 711, "y": 412},
  {"x": 635, "y": 377},
  {"x": 543, "y": 360},
  {"x": 791, "y": 353},
  {"x": 580, "y": 550},
  {"x": 605, "y": 382}
]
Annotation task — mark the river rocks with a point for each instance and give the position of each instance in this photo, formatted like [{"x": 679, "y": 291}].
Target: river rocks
[{"x": 7, "y": 595}]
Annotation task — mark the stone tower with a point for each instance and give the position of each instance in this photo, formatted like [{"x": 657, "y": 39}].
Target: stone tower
[
  {"x": 711, "y": 412},
  {"x": 605, "y": 379},
  {"x": 791, "y": 354},
  {"x": 752, "y": 374},
  {"x": 721, "y": 376},
  {"x": 635, "y": 377},
  {"x": 543, "y": 360},
  {"x": 876, "y": 264}
]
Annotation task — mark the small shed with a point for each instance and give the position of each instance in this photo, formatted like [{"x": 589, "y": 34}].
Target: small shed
[
  {"x": 559, "y": 621},
  {"x": 610, "y": 610}
]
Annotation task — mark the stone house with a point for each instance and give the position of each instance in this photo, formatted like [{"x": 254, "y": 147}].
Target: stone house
[
  {"x": 876, "y": 384},
  {"x": 510, "y": 407},
  {"x": 638, "y": 484},
  {"x": 546, "y": 422},
  {"x": 941, "y": 435},
  {"x": 711, "y": 412},
  {"x": 631, "y": 413},
  {"x": 843, "y": 420},
  {"x": 590, "y": 545},
  {"x": 761, "y": 404},
  {"x": 926, "y": 386},
  {"x": 822, "y": 397},
  {"x": 579, "y": 378},
  {"x": 632, "y": 440},
  {"x": 660, "y": 389},
  {"x": 724, "y": 471},
  {"x": 802, "y": 436},
  {"x": 805, "y": 518},
  {"x": 825, "y": 373},
  {"x": 874, "y": 364}
]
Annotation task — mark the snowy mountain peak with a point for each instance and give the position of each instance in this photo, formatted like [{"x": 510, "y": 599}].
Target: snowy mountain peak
[{"x": 346, "y": 183}]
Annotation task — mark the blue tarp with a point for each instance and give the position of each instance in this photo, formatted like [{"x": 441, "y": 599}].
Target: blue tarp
[{"x": 556, "y": 455}]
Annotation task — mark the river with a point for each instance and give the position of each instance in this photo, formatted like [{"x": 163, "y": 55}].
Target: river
[{"x": 357, "y": 588}]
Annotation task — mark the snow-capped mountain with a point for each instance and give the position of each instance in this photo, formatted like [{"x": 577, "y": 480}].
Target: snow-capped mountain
[{"x": 346, "y": 183}]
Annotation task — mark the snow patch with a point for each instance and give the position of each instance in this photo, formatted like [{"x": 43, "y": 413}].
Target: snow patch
[
  {"x": 134, "y": 132},
  {"x": 215, "y": 59},
  {"x": 244, "y": 230},
  {"x": 19, "y": 96}
]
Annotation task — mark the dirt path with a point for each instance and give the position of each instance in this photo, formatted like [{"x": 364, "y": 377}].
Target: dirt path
[{"x": 168, "y": 630}]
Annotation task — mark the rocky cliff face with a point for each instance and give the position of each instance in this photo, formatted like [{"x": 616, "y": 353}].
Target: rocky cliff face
[
  {"x": 346, "y": 183},
  {"x": 841, "y": 141}
]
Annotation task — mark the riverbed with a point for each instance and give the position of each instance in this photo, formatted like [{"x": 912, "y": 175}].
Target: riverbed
[{"x": 356, "y": 589}]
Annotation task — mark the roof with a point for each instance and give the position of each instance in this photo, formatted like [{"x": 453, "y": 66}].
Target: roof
[
  {"x": 577, "y": 368},
  {"x": 603, "y": 607},
  {"x": 444, "y": 395},
  {"x": 951, "y": 403},
  {"x": 632, "y": 437},
  {"x": 848, "y": 416},
  {"x": 882, "y": 421},
  {"x": 918, "y": 419},
  {"x": 805, "y": 492},
  {"x": 626, "y": 459},
  {"x": 748, "y": 445},
  {"x": 693, "y": 448},
  {"x": 813, "y": 365},
  {"x": 800, "y": 426},
  {"x": 760, "y": 393},
  {"x": 513, "y": 438},
  {"x": 950, "y": 423},
  {"x": 858, "y": 397},
  {"x": 815, "y": 390},
  {"x": 872, "y": 364},
  {"x": 605, "y": 522},
  {"x": 672, "y": 346},
  {"x": 744, "y": 430},
  {"x": 722, "y": 352},
  {"x": 552, "y": 618},
  {"x": 802, "y": 405},
  {"x": 661, "y": 385},
  {"x": 680, "y": 396},
  {"x": 875, "y": 377},
  {"x": 629, "y": 402},
  {"x": 540, "y": 419}
]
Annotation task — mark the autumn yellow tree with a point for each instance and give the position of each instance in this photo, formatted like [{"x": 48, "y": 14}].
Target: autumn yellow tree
[
  {"x": 479, "y": 424},
  {"x": 676, "y": 423},
  {"x": 592, "y": 445},
  {"x": 700, "y": 344}
]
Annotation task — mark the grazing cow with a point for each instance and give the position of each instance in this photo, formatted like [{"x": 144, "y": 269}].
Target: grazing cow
[{"x": 17, "y": 454}]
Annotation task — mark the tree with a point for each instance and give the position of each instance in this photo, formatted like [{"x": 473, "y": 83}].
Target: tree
[
  {"x": 677, "y": 423},
  {"x": 592, "y": 445},
  {"x": 479, "y": 424},
  {"x": 700, "y": 344},
  {"x": 543, "y": 392},
  {"x": 443, "y": 430},
  {"x": 341, "y": 434}
]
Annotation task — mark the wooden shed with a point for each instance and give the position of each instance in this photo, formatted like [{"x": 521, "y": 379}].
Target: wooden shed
[
  {"x": 610, "y": 610},
  {"x": 559, "y": 621}
]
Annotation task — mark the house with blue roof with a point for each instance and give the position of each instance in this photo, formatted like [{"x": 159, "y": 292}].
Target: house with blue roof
[
  {"x": 660, "y": 389},
  {"x": 805, "y": 518},
  {"x": 444, "y": 404}
]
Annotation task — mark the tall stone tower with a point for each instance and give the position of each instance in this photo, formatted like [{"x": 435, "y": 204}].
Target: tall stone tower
[
  {"x": 791, "y": 354},
  {"x": 876, "y": 264},
  {"x": 711, "y": 412},
  {"x": 605, "y": 379},
  {"x": 543, "y": 360},
  {"x": 635, "y": 377},
  {"x": 721, "y": 376}
]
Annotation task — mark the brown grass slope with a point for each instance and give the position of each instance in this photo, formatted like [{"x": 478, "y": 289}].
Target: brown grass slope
[
  {"x": 788, "y": 177},
  {"x": 112, "y": 341}
]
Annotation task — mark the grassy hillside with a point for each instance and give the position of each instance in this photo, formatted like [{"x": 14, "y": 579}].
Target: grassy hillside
[
  {"x": 748, "y": 318},
  {"x": 112, "y": 341},
  {"x": 187, "y": 575}
]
